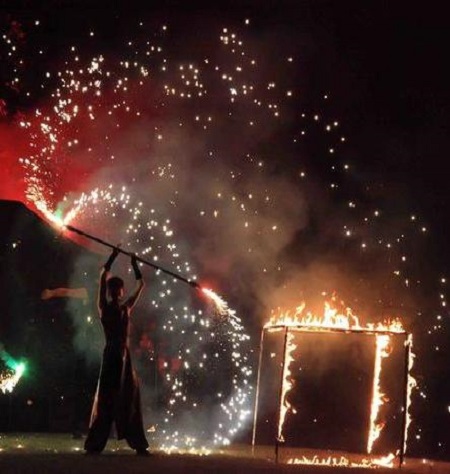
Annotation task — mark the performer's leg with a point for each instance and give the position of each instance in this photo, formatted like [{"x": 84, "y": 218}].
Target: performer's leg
[
  {"x": 135, "y": 434},
  {"x": 105, "y": 402},
  {"x": 100, "y": 427}
]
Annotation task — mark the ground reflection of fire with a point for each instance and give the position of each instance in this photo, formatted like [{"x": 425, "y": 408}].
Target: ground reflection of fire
[{"x": 334, "y": 321}]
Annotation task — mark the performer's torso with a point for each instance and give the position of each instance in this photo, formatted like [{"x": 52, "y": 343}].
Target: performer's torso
[{"x": 114, "y": 319}]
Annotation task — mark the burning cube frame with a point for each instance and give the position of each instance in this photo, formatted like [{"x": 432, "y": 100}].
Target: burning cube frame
[{"x": 382, "y": 342}]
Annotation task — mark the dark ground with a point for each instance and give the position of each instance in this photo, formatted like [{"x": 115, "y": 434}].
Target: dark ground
[{"x": 58, "y": 453}]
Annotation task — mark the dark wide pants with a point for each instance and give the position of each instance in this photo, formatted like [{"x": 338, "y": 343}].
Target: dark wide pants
[{"x": 117, "y": 400}]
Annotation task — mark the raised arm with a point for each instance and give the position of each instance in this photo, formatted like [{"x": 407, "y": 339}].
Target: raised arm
[
  {"x": 132, "y": 300},
  {"x": 101, "y": 302},
  {"x": 80, "y": 293}
]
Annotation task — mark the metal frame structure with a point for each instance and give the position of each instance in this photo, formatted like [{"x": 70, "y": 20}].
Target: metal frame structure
[{"x": 319, "y": 330}]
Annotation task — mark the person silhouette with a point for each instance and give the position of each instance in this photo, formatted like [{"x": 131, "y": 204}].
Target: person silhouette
[{"x": 117, "y": 398}]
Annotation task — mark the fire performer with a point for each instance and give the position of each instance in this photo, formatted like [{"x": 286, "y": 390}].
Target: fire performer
[{"x": 117, "y": 398}]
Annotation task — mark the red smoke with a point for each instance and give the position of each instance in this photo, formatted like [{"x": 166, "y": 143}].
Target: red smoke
[{"x": 12, "y": 146}]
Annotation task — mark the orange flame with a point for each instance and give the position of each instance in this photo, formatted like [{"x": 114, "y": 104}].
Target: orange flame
[
  {"x": 342, "y": 461},
  {"x": 331, "y": 319},
  {"x": 382, "y": 351},
  {"x": 286, "y": 385},
  {"x": 411, "y": 385}
]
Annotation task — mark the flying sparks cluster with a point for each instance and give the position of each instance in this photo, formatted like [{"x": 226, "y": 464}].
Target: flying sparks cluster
[{"x": 206, "y": 339}]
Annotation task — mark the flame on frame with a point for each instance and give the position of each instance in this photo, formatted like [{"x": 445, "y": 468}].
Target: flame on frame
[
  {"x": 342, "y": 461},
  {"x": 333, "y": 320},
  {"x": 382, "y": 351},
  {"x": 286, "y": 384},
  {"x": 411, "y": 384}
]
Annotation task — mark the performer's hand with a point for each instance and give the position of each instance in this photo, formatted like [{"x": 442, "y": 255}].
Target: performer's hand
[
  {"x": 116, "y": 250},
  {"x": 46, "y": 294},
  {"x": 134, "y": 264},
  {"x": 111, "y": 258}
]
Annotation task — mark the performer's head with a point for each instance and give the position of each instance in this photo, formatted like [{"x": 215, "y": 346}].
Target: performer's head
[{"x": 115, "y": 288}]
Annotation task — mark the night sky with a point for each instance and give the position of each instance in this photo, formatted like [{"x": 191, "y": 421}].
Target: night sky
[{"x": 375, "y": 73}]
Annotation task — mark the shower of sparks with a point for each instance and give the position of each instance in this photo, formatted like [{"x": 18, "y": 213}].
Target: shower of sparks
[
  {"x": 153, "y": 236},
  {"x": 221, "y": 305},
  {"x": 103, "y": 93}
]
